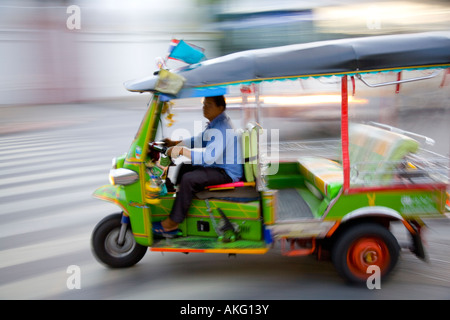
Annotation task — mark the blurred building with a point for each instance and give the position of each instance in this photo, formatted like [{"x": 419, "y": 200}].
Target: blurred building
[
  {"x": 43, "y": 60},
  {"x": 251, "y": 24}
]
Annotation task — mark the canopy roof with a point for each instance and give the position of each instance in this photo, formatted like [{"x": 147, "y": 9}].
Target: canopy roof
[{"x": 336, "y": 57}]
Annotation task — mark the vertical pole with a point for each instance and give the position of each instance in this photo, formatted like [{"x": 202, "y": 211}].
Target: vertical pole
[
  {"x": 257, "y": 102},
  {"x": 344, "y": 132},
  {"x": 399, "y": 77}
]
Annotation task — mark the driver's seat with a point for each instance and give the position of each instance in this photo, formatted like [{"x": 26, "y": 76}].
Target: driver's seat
[
  {"x": 249, "y": 138},
  {"x": 245, "y": 188}
]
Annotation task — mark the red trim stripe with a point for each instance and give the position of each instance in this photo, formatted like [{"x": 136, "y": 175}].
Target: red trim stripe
[{"x": 344, "y": 133}]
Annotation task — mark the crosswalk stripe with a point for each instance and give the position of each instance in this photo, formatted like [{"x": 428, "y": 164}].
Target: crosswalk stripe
[
  {"x": 20, "y": 170},
  {"x": 50, "y": 201},
  {"x": 85, "y": 214},
  {"x": 41, "y": 187},
  {"x": 46, "y": 152},
  {"x": 53, "y": 174},
  {"x": 60, "y": 157},
  {"x": 47, "y": 178},
  {"x": 54, "y": 282},
  {"x": 28, "y": 137},
  {"x": 5, "y": 149},
  {"x": 43, "y": 250}
]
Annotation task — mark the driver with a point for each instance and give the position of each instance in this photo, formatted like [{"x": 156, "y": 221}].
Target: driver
[{"x": 218, "y": 162}]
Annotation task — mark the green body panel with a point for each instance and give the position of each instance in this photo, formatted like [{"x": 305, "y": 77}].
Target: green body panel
[
  {"x": 131, "y": 197},
  {"x": 268, "y": 206},
  {"x": 410, "y": 204},
  {"x": 120, "y": 196},
  {"x": 140, "y": 214},
  {"x": 121, "y": 160},
  {"x": 246, "y": 215},
  {"x": 287, "y": 176}
]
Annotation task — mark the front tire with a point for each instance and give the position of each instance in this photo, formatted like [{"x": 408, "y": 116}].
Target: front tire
[
  {"x": 106, "y": 249},
  {"x": 362, "y": 246}
]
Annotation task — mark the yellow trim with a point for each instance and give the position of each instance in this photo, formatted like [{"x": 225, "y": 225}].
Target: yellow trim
[
  {"x": 242, "y": 251},
  {"x": 140, "y": 235},
  {"x": 230, "y": 251}
]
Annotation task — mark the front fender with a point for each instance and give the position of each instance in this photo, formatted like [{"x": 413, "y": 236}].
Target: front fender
[
  {"x": 114, "y": 194},
  {"x": 140, "y": 223}
]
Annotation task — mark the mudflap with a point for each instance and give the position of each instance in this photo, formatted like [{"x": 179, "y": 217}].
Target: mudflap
[
  {"x": 417, "y": 244},
  {"x": 418, "y": 248}
]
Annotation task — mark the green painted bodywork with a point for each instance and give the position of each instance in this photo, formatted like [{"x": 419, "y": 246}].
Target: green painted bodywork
[
  {"x": 250, "y": 217},
  {"x": 409, "y": 203}
]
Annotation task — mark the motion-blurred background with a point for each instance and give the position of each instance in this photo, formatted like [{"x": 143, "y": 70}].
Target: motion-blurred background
[
  {"x": 51, "y": 52},
  {"x": 64, "y": 114}
]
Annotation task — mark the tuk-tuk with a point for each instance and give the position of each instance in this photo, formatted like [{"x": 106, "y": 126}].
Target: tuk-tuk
[{"x": 333, "y": 195}]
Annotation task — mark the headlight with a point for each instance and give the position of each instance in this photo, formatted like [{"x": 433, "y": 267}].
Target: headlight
[{"x": 122, "y": 176}]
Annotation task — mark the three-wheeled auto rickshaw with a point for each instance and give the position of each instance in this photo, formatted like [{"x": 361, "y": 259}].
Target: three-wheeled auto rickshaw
[{"x": 334, "y": 194}]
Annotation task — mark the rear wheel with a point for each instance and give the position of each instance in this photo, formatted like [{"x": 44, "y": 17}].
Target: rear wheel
[
  {"x": 106, "y": 249},
  {"x": 363, "y": 246}
]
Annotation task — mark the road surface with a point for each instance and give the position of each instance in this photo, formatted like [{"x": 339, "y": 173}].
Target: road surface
[{"x": 51, "y": 160}]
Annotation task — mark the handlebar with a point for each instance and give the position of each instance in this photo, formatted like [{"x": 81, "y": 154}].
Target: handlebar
[{"x": 158, "y": 147}]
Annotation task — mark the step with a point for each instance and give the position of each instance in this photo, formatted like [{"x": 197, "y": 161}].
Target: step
[
  {"x": 208, "y": 245},
  {"x": 301, "y": 229}
]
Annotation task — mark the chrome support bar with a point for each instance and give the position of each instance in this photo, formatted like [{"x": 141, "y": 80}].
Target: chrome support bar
[
  {"x": 428, "y": 140},
  {"x": 434, "y": 74}
]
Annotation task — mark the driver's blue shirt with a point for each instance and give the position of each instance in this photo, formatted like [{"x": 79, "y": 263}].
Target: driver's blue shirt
[{"x": 221, "y": 147}]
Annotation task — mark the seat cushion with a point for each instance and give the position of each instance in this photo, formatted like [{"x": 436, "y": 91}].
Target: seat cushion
[
  {"x": 326, "y": 175},
  {"x": 375, "y": 152}
]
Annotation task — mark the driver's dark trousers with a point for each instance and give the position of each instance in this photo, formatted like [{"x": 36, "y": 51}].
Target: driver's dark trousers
[{"x": 190, "y": 180}]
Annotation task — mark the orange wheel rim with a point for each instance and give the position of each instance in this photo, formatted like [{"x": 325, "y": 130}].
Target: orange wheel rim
[{"x": 366, "y": 252}]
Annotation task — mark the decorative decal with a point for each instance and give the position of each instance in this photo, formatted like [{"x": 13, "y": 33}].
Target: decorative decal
[
  {"x": 137, "y": 205},
  {"x": 417, "y": 204},
  {"x": 138, "y": 152},
  {"x": 371, "y": 199}
]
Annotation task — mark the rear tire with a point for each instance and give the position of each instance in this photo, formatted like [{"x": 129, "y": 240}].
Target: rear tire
[
  {"x": 362, "y": 246},
  {"x": 106, "y": 249}
]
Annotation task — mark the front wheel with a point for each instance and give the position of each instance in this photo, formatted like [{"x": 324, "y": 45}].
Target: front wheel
[
  {"x": 362, "y": 246},
  {"x": 106, "y": 249}
]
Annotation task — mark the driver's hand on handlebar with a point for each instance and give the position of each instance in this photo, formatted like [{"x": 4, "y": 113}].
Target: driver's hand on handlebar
[
  {"x": 170, "y": 143},
  {"x": 177, "y": 151}
]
